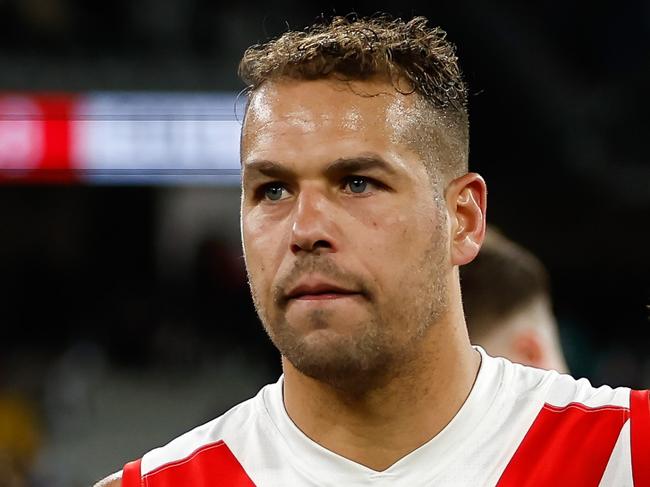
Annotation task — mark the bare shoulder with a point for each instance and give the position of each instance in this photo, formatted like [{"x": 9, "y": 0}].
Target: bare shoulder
[{"x": 114, "y": 480}]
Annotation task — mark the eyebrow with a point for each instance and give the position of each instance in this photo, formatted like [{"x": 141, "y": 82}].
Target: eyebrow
[
  {"x": 359, "y": 163},
  {"x": 344, "y": 165},
  {"x": 268, "y": 168}
]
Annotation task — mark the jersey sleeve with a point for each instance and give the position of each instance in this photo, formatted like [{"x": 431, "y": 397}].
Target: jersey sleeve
[
  {"x": 131, "y": 476},
  {"x": 640, "y": 437}
]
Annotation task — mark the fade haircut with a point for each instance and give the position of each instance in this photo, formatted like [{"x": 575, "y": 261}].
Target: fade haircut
[
  {"x": 504, "y": 278},
  {"x": 415, "y": 58}
]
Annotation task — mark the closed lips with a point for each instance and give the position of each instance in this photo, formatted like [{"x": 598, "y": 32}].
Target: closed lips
[{"x": 317, "y": 289}]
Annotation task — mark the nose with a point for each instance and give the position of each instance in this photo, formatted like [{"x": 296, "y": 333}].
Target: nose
[{"x": 312, "y": 228}]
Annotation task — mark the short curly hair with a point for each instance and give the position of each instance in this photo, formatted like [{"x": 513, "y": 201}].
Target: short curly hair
[{"x": 352, "y": 48}]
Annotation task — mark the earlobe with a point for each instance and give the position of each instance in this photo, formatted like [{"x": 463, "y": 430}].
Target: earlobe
[{"x": 467, "y": 200}]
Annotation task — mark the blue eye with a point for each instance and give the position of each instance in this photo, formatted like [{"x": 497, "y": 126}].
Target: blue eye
[
  {"x": 357, "y": 184},
  {"x": 273, "y": 192}
]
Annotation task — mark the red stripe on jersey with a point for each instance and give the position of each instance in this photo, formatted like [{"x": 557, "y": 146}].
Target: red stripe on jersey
[
  {"x": 566, "y": 446},
  {"x": 209, "y": 466},
  {"x": 640, "y": 437},
  {"x": 131, "y": 474}
]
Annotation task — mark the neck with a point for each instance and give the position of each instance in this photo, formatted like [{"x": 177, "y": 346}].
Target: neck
[{"x": 378, "y": 428}]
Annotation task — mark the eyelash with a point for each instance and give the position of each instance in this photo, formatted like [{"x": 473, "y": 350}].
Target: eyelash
[{"x": 259, "y": 193}]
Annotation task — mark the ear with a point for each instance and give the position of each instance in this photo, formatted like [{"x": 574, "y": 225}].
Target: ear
[
  {"x": 467, "y": 203},
  {"x": 528, "y": 348}
]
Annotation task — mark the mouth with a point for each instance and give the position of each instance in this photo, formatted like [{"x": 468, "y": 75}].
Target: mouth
[
  {"x": 323, "y": 296},
  {"x": 318, "y": 291}
]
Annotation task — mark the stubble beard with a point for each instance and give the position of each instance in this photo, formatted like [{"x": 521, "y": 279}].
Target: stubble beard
[{"x": 383, "y": 346}]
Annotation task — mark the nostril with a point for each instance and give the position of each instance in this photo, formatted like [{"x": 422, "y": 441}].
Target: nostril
[
  {"x": 321, "y": 244},
  {"x": 310, "y": 247}
]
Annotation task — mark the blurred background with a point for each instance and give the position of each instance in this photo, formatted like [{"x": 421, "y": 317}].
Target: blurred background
[{"x": 125, "y": 314}]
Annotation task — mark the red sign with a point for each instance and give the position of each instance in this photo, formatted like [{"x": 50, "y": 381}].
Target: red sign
[{"x": 35, "y": 138}]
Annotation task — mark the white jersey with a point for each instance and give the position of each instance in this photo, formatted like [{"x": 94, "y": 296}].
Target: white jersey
[{"x": 520, "y": 426}]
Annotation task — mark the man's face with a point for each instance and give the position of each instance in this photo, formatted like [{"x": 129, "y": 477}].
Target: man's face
[{"x": 345, "y": 239}]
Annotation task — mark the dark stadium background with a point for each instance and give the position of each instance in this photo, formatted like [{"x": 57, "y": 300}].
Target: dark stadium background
[{"x": 120, "y": 330}]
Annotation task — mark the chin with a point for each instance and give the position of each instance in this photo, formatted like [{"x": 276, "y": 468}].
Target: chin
[{"x": 344, "y": 362}]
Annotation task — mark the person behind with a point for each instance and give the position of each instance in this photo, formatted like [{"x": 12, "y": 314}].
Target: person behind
[
  {"x": 20, "y": 439},
  {"x": 357, "y": 211},
  {"x": 507, "y": 303}
]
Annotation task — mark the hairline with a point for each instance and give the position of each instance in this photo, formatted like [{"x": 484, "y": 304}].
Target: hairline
[{"x": 421, "y": 107}]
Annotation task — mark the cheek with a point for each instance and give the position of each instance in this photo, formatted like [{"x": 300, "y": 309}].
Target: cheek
[
  {"x": 263, "y": 244},
  {"x": 396, "y": 244},
  {"x": 387, "y": 244},
  {"x": 396, "y": 232}
]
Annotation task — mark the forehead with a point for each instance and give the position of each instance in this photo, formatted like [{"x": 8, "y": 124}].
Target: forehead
[{"x": 305, "y": 112}]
